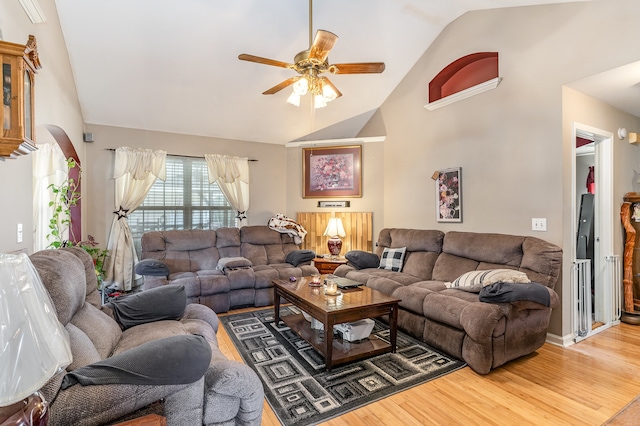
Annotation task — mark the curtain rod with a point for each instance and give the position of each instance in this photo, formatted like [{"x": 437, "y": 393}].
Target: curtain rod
[{"x": 179, "y": 155}]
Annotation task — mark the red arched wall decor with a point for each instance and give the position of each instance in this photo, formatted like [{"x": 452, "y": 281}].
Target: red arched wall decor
[
  {"x": 476, "y": 70},
  {"x": 61, "y": 137}
]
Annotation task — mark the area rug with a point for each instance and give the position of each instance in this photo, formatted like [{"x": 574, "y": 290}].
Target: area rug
[
  {"x": 629, "y": 415},
  {"x": 296, "y": 384}
]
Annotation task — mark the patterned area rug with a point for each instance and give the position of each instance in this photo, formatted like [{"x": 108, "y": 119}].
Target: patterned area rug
[{"x": 296, "y": 384}]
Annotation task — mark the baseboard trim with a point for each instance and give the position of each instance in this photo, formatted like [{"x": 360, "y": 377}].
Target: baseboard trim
[{"x": 564, "y": 341}]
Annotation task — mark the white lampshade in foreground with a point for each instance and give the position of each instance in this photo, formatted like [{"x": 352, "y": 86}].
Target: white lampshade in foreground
[{"x": 33, "y": 343}]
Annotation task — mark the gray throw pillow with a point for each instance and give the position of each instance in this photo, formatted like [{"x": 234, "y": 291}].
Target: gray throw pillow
[
  {"x": 297, "y": 257},
  {"x": 167, "y": 302},
  {"x": 174, "y": 360},
  {"x": 362, "y": 259},
  {"x": 152, "y": 267}
]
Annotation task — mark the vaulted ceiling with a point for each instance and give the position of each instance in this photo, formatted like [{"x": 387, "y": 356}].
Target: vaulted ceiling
[{"x": 173, "y": 66}]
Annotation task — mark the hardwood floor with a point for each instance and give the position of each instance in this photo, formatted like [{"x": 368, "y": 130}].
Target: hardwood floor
[{"x": 584, "y": 384}]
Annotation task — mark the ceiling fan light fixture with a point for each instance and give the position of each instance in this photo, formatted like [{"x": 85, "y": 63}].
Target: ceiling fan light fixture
[
  {"x": 294, "y": 99},
  {"x": 319, "y": 101},
  {"x": 328, "y": 93},
  {"x": 301, "y": 87}
]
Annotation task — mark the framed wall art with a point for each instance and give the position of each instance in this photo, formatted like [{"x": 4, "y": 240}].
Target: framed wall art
[
  {"x": 449, "y": 195},
  {"x": 332, "y": 172}
]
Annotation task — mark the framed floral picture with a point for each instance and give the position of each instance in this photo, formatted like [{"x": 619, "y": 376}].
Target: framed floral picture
[
  {"x": 449, "y": 195},
  {"x": 332, "y": 172}
]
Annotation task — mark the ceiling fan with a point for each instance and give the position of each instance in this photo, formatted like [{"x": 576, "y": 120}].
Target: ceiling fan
[{"x": 310, "y": 64}]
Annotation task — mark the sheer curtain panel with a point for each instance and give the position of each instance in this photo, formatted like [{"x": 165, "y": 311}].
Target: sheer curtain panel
[
  {"x": 49, "y": 167},
  {"x": 135, "y": 171},
  {"x": 232, "y": 176}
]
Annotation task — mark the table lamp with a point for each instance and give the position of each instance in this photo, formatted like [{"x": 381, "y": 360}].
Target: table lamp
[
  {"x": 34, "y": 346},
  {"x": 334, "y": 231}
]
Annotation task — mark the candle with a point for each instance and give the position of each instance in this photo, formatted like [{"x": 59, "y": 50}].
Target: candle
[{"x": 332, "y": 287}]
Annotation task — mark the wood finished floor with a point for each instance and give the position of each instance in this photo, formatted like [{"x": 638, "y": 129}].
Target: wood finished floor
[{"x": 584, "y": 384}]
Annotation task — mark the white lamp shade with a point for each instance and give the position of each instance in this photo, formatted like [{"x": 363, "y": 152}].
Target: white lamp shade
[
  {"x": 33, "y": 343},
  {"x": 334, "y": 227},
  {"x": 294, "y": 99},
  {"x": 301, "y": 87}
]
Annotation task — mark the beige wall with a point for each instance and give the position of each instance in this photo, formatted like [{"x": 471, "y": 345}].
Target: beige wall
[
  {"x": 55, "y": 103},
  {"x": 267, "y": 175},
  {"x": 510, "y": 142}
]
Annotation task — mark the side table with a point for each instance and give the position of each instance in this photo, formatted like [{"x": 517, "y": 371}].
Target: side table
[{"x": 326, "y": 265}]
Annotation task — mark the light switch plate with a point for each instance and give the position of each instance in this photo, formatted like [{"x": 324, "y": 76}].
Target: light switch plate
[{"x": 539, "y": 224}]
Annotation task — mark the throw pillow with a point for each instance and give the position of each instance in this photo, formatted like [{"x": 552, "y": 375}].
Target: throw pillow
[
  {"x": 233, "y": 263},
  {"x": 392, "y": 259},
  {"x": 297, "y": 257},
  {"x": 362, "y": 259},
  {"x": 473, "y": 281}
]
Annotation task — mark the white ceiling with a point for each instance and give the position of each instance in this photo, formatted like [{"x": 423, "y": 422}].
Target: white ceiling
[
  {"x": 172, "y": 66},
  {"x": 619, "y": 87}
]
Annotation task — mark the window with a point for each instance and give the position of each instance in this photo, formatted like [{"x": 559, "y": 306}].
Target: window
[{"x": 185, "y": 200}]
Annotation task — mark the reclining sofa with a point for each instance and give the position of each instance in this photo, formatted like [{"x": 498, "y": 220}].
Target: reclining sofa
[
  {"x": 224, "y": 268},
  {"x": 485, "y": 334},
  {"x": 221, "y": 392}
]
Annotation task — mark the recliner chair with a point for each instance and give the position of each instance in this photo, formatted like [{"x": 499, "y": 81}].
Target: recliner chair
[{"x": 228, "y": 393}]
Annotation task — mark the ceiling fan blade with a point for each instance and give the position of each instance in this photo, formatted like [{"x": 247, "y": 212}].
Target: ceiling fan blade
[
  {"x": 266, "y": 61},
  {"x": 358, "y": 68},
  {"x": 280, "y": 86},
  {"x": 330, "y": 84},
  {"x": 322, "y": 45}
]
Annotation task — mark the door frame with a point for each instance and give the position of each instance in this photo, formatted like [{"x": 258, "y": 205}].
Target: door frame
[{"x": 603, "y": 224}]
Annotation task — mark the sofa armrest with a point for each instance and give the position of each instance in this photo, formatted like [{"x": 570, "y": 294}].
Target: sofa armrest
[
  {"x": 362, "y": 260},
  {"x": 152, "y": 267},
  {"x": 527, "y": 304},
  {"x": 298, "y": 257},
  {"x": 201, "y": 312},
  {"x": 236, "y": 380}
]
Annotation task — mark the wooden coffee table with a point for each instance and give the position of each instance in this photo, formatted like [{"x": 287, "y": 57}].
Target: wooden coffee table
[{"x": 351, "y": 305}]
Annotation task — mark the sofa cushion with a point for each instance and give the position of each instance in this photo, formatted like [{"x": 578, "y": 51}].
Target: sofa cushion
[
  {"x": 474, "y": 280},
  {"x": 392, "y": 259}
]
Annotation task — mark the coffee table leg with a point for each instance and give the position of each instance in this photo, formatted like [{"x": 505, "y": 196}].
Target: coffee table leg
[
  {"x": 328, "y": 343},
  {"x": 276, "y": 305},
  {"x": 394, "y": 327}
]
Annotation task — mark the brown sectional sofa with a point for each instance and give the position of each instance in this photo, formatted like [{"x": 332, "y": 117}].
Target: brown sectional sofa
[
  {"x": 485, "y": 335},
  {"x": 192, "y": 258}
]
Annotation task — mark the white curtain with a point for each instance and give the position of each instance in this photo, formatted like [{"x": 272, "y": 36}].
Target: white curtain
[
  {"x": 232, "y": 176},
  {"x": 49, "y": 167},
  {"x": 135, "y": 172}
]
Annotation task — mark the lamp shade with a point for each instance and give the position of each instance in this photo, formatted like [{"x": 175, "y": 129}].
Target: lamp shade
[
  {"x": 33, "y": 343},
  {"x": 334, "y": 228}
]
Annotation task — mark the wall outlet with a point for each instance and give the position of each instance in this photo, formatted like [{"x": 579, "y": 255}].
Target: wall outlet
[
  {"x": 538, "y": 224},
  {"x": 19, "y": 235}
]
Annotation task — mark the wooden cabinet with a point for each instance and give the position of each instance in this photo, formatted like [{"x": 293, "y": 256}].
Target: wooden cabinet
[
  {"x": 19, "y": 65},
  {"x": 327, "y": 265}
]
